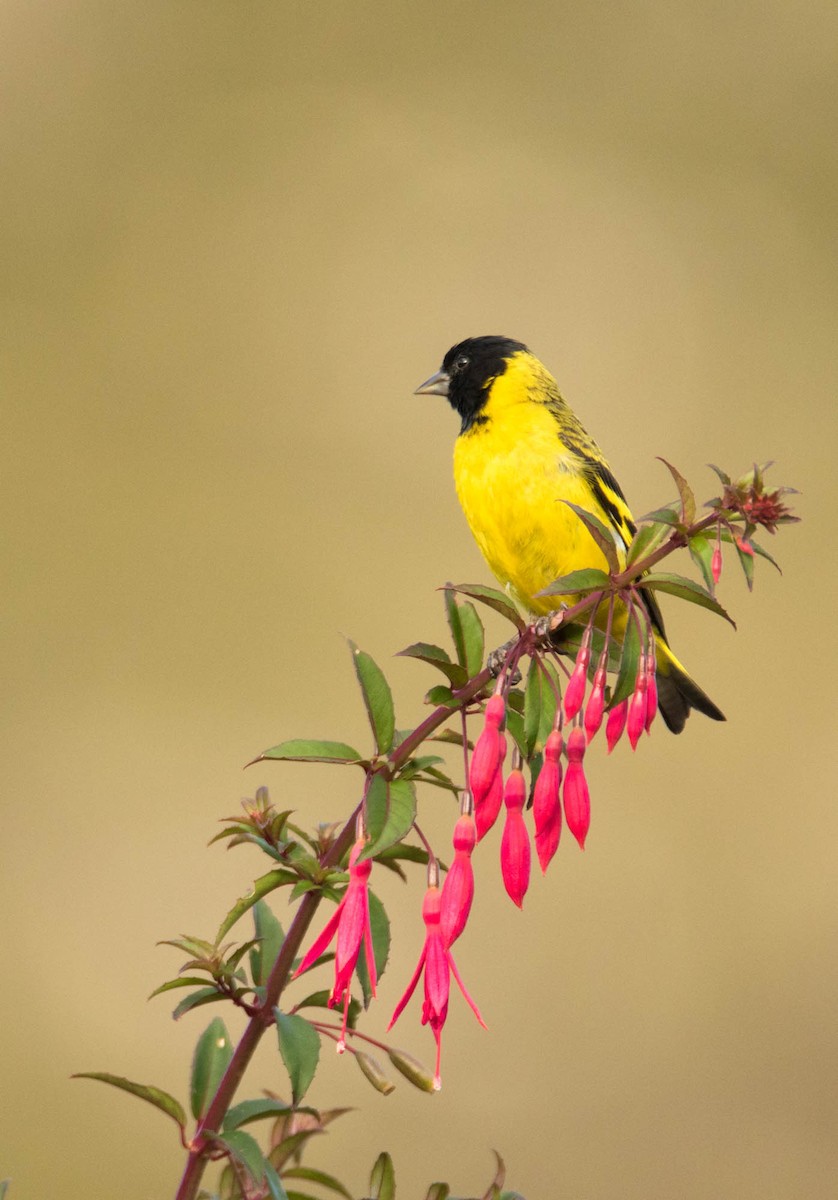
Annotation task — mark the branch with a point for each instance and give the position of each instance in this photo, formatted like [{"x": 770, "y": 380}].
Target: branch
[{"x": 261, "y": 1020}]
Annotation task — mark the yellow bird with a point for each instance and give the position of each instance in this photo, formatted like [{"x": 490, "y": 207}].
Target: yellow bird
[{"x": 521, "y": 450}]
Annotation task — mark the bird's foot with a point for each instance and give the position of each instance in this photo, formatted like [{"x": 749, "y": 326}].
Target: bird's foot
[
  {"x": 543, "y": 629},
  {"x": 497, "y": 659}
]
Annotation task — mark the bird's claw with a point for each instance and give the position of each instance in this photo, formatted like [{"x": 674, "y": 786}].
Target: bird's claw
[{"x": 496, "y": 660}]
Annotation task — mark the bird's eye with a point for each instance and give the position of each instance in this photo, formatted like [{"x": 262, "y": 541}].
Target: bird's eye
[{"x": 461, "y": 363}]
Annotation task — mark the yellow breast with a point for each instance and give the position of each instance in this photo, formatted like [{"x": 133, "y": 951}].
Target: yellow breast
[{"x": 511, "y": 473}]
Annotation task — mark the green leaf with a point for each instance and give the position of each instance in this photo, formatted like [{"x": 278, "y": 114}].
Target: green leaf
[
  {"x": 532, "y": 705},
  {"x": 269, "y": 932},
  {"x": 684, "y": 491},
  {"x": 452, "y": 615},
  {"x": 493, "y": 1190},
  {"x": 701, "y": 552},
  {"x": 321, "y": 1177},
  {"x": 647, "y": 539},
  {"x": 160, "y": 1099},
  {"x": 670, "y": 514},
  {"x": 380, "y": 931},
  {"x": 377, "y": 697},
  {"x": 474, "y": 638},
  {"x": 181, "y": 982},
  {"x": 629, "y": 661},
  {"x": 206, "y": 995},
  {"x": 441, "y": 695},
  {"x": 435, "y": 656},
  {"x": 591, "y": 579},
  {"x": 196, "y": 947},
  {"x": 244, "y": 1149},
  {"x": 299, "y": 1045},
  {"x": 275, "y": 1189},
  {"x": 438, "y": 779},
  {"x": 746, "y": 562},
  {"x": 438, "y": 1191},
  {"x": 725, "y": 478},
  {"x": 383, "y": 1179},
  {"x": 415, "y": 854},
  {"x": 493, "y": 598},
  {"x": 390, "y": 813},
  {"x": 263, "y": 885},
  {"x": 211, "y": 1059},
  {"x": 539, "y": 708},
  {"x": 311, "y": 750},
  {"x": 451, "y": 736},
  {"x": 321, "y": 1000},
  {"x": 686, "y": 589},
  {"x": 254, "y": 1110},
  {"x": 515, "y": 727},
  {"x": 600, "y": 533}
]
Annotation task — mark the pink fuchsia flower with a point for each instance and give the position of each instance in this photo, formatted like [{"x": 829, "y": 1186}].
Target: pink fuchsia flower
[
  {"x": 716, "y": 560},
  {"x": 636, "y": 722},
  {"x": 651, "y": 689},
  {"x": 438, "y": 966},
  {"x": 577, "y": 800},
  {"x": 486, "y": 813},
  {"x": 515, "y": 843},
  {"x": 351, "y": 922},
  {"x": 458, "y": 888},
  {"x": 596, "y": 701},
  {"x": 486, "y": 758},
  {"x": 616, "y": 723},
  {"x": 546, "y": 805},
  {"x": 574, "y": 693}
]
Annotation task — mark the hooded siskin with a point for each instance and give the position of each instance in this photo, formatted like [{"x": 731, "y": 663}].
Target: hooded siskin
[{"x": 520, "y": 450}]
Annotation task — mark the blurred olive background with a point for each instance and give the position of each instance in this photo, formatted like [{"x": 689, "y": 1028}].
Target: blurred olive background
[{"x": 235, "y": 237}]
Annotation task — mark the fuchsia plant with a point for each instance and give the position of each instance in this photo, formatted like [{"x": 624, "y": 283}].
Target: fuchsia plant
[{"x": 551, "y": 712}]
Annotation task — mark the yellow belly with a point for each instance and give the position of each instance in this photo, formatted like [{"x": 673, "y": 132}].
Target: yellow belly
[{"x": 511, "y": 475}]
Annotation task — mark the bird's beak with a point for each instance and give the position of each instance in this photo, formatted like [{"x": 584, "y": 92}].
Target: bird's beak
[{"x": 437, "y": 385}]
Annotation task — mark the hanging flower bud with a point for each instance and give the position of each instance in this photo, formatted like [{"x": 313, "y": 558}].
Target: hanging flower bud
[
  {"x": 745, "y": 546},
  {"x": 515, "y": 843},
  {"x": 546, "y": 806},
  {"x": 486, "y": 757},
  {"x": 596, "y": 701},
  {"x": 716, "y": 560},
  {"x": 458, "y": 889},
  {"x": 577, "y": 800},
  {"x": 574, "y": 693},
  {"x": 651, "y": 691},
  {"x": 636, "y": 722},
  {"x": 616, "y": 723},
  {"x": 486, "y": 813}
]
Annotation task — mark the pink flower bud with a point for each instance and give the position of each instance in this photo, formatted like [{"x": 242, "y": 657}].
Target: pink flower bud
[
  {"x": 577, "y": 800},
  {"x": 458, "y": 889},
  {"x": 596, "y": 703},
  {"x": 515, "y": 843},
  {"x": 636, "y": 722},
  {"x": 486, "y": 757},
  {"x": 745, "y": 547},
  {"x": 651, "y": 694},
  {"x": 546, "y": 806},
  {"x": 486, "y": 813},
  {"x": 616, "y": 723},
  {"x": 574, "y": 693},
  {"x": 716, "y": 563}
]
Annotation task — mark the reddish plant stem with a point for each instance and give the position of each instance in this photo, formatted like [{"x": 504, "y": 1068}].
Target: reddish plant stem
[
  {"x": 261, "y": 1020},
  {"x": 263, "y": 1017}
]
